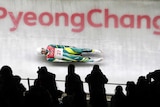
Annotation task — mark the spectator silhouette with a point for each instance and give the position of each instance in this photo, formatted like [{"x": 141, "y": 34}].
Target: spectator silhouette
[
  {"x": 154, "y": 87},
  {"x": 142, "y": 90},
  {"x": 19, "y": 91},
  {"x": 47, "y": 80},
  {"x": 119, "y": 98},
  {"x": 38, "y": 96},
  {"x": 131, "y": 94},
  {"x": 19, "y": 86},
  {"x": 76, "y": 96},
  {"x": 96, "y": 81},
  {"x": 10, "y": 94}
]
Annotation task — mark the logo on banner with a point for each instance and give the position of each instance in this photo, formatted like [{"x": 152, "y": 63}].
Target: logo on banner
[{"x": 78, "y": 21}]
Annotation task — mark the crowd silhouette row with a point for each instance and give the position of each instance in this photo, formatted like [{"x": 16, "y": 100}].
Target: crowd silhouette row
[{"x": 44, "y": 93}]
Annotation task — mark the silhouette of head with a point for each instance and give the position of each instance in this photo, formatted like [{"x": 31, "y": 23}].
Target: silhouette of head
[
  {"x": 6, "y": 71},
  {"x": 96, "y": 70},
  {"x": 71, "y": 69},
  {"x": 96, "y": 67},
  {"x": 42, "y": 70},
  {"x": 119, "y": 88},
  {"x": 156, "y": 75}
]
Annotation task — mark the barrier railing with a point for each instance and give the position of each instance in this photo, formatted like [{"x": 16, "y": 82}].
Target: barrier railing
[{"x": 63, "y": 81}]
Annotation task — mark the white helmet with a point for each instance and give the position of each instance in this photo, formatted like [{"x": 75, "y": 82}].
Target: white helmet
[{"x": 39, "y": 51}]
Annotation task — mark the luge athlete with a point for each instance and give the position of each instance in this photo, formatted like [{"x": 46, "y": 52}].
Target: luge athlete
[{"x": 62, "y": 53}]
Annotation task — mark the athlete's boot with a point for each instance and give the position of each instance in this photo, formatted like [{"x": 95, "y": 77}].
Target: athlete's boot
[
  {"x": 97, "y": 60},
  {"x": 96, "y": 51}
]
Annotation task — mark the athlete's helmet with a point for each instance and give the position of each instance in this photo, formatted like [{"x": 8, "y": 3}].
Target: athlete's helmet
[{"x": 39, "y": 50}]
